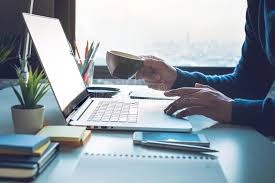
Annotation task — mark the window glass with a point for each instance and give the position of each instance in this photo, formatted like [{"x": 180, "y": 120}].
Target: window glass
[{"x": 182, "y": 32}]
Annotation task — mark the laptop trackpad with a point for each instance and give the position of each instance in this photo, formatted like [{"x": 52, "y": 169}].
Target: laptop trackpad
[{"x": 152, "y": 113}]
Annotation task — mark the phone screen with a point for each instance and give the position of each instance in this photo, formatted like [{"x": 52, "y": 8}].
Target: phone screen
[{"x": 170, "y": 137}]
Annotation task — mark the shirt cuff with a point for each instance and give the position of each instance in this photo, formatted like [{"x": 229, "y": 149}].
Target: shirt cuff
[
  {"x": 184, "y": 79},
  {"x": 254, "y": 113}
]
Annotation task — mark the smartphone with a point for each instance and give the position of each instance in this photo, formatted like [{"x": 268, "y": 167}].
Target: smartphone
[{"x": 181, "y": 138}]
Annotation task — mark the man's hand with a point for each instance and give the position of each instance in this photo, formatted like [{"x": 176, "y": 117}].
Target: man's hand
[
  {"x": 157, "y": 74},
  {"x": 201, "y": 99}
]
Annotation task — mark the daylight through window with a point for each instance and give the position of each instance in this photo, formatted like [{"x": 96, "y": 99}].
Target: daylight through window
[{"x": 182, "y": 32}]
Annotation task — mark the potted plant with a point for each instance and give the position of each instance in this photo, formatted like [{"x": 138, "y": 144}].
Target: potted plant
[{"x": 28, "y": 117}]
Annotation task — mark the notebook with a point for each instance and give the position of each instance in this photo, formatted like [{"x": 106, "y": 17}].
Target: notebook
[
  {"x": 26, "y": 168},
  {"x": 145, "y": 168},
  {"x": 23, "y": 144}
]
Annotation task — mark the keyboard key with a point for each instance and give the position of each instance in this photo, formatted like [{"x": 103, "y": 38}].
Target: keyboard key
[
  {"x": 116, "y": 112},
  {"x": 96, "y": 119},
  {"x": 98, "y": 115},
  {"x": 115, "y": 115},
  {"x": 132, "y": 121},
  {"x": 105, "y": 119},
  {"x": 122, "y": 119},
  {"x": 133, "y": 111},
  {"x": 114, "y": 119}
]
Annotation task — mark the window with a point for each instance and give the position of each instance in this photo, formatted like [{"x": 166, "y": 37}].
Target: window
[{"x": 182, "y": 32}]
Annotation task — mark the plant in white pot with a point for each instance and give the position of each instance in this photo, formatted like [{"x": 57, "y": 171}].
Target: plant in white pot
[{"x": 28, "y": 117}]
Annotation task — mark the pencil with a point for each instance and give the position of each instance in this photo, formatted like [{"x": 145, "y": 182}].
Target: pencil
[
  {"x": 94, "y": 52},
  {"x": 77, "y": 52},
  {"x": 91, "y": 49}
]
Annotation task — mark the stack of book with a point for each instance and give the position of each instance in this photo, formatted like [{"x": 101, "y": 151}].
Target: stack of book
[
  {"x": 73, "y": 136},
  {"x": 24, "y": 157}
]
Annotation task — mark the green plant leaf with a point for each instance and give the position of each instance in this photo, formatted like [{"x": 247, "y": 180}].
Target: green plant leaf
[
  {"x": 31, "y": 88},
  {"x": 37, "y": 80},
  {"x": 32, "y": 91},
  {"x": 42, "y": 92},
  {"x": 24, "y": 90},
  {"x": 18, "y": 95},
  {"x": 7, "y": 45}
]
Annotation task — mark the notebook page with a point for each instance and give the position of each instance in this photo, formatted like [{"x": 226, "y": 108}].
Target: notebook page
[{"x": 120, "y": 168}]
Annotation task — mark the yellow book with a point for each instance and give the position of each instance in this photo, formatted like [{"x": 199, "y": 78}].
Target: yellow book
[
  {"x": 42, "y": 149},
  {"x": 63, "y": 134}
]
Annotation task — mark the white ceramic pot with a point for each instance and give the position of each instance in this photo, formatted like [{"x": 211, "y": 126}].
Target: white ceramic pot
[{"x": 27, "y": 121}]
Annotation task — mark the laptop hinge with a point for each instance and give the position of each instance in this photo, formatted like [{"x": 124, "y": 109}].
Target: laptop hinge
[
  {"x": 69, "y": 118},
  {"x": 79, "y": 110}
]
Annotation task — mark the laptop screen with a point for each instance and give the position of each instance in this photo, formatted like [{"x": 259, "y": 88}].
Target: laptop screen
[{"x": 55, "y": 55}]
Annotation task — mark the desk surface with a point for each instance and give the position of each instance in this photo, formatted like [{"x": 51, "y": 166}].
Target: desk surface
[{"x": 244, "y": 154}]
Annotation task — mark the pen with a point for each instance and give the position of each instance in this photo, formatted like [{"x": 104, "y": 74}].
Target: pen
[
  {"x": 84, "y": 65},
  {"x": 184, "y": 147},
  {"x": 86, "y": 69},
  {"x": 91, "y": 49},
  {"x": 94, "y": 52},
  {"x": 86, "y": 49}
]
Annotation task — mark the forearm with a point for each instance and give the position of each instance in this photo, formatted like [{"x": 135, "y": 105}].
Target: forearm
[
  {"x": 252, "y": 76},
  {"x": 226, "y": 84},
  {"x": 259, "y": 114},
  {"x": 242, "y": 83}
]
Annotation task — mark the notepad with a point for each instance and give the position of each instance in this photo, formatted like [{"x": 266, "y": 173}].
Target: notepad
[
  {"x": 63, "y": 133},
  {"x": 148, "y": 168},
  {"x": 81, "y": 142},
  {"x": 67, "y": 135},
  {"x": 147, "y": 93}
]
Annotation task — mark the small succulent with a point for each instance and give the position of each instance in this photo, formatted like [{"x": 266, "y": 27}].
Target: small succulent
[
  {"x": 7, "y": 45},
  {"x": 31, "y": 91}
]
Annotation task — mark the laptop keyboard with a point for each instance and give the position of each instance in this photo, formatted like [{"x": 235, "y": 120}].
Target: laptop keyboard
[{"x": 114, "y": 111}]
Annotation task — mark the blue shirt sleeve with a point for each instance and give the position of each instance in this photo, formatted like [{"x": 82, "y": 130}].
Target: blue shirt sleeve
[{"x": 249, "y": 84}]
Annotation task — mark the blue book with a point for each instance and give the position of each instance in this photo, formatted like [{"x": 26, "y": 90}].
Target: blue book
[{"x": 22, "y": 143}]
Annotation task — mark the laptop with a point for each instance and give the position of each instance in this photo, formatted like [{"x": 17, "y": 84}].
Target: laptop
[{"x": 77, "y": 106}]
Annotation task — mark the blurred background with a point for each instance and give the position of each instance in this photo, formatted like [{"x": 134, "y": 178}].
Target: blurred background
[{"x": 182, "y": 32}]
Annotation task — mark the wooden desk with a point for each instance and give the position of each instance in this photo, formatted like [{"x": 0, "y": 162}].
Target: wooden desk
[{"x": 245, "y": 155}]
